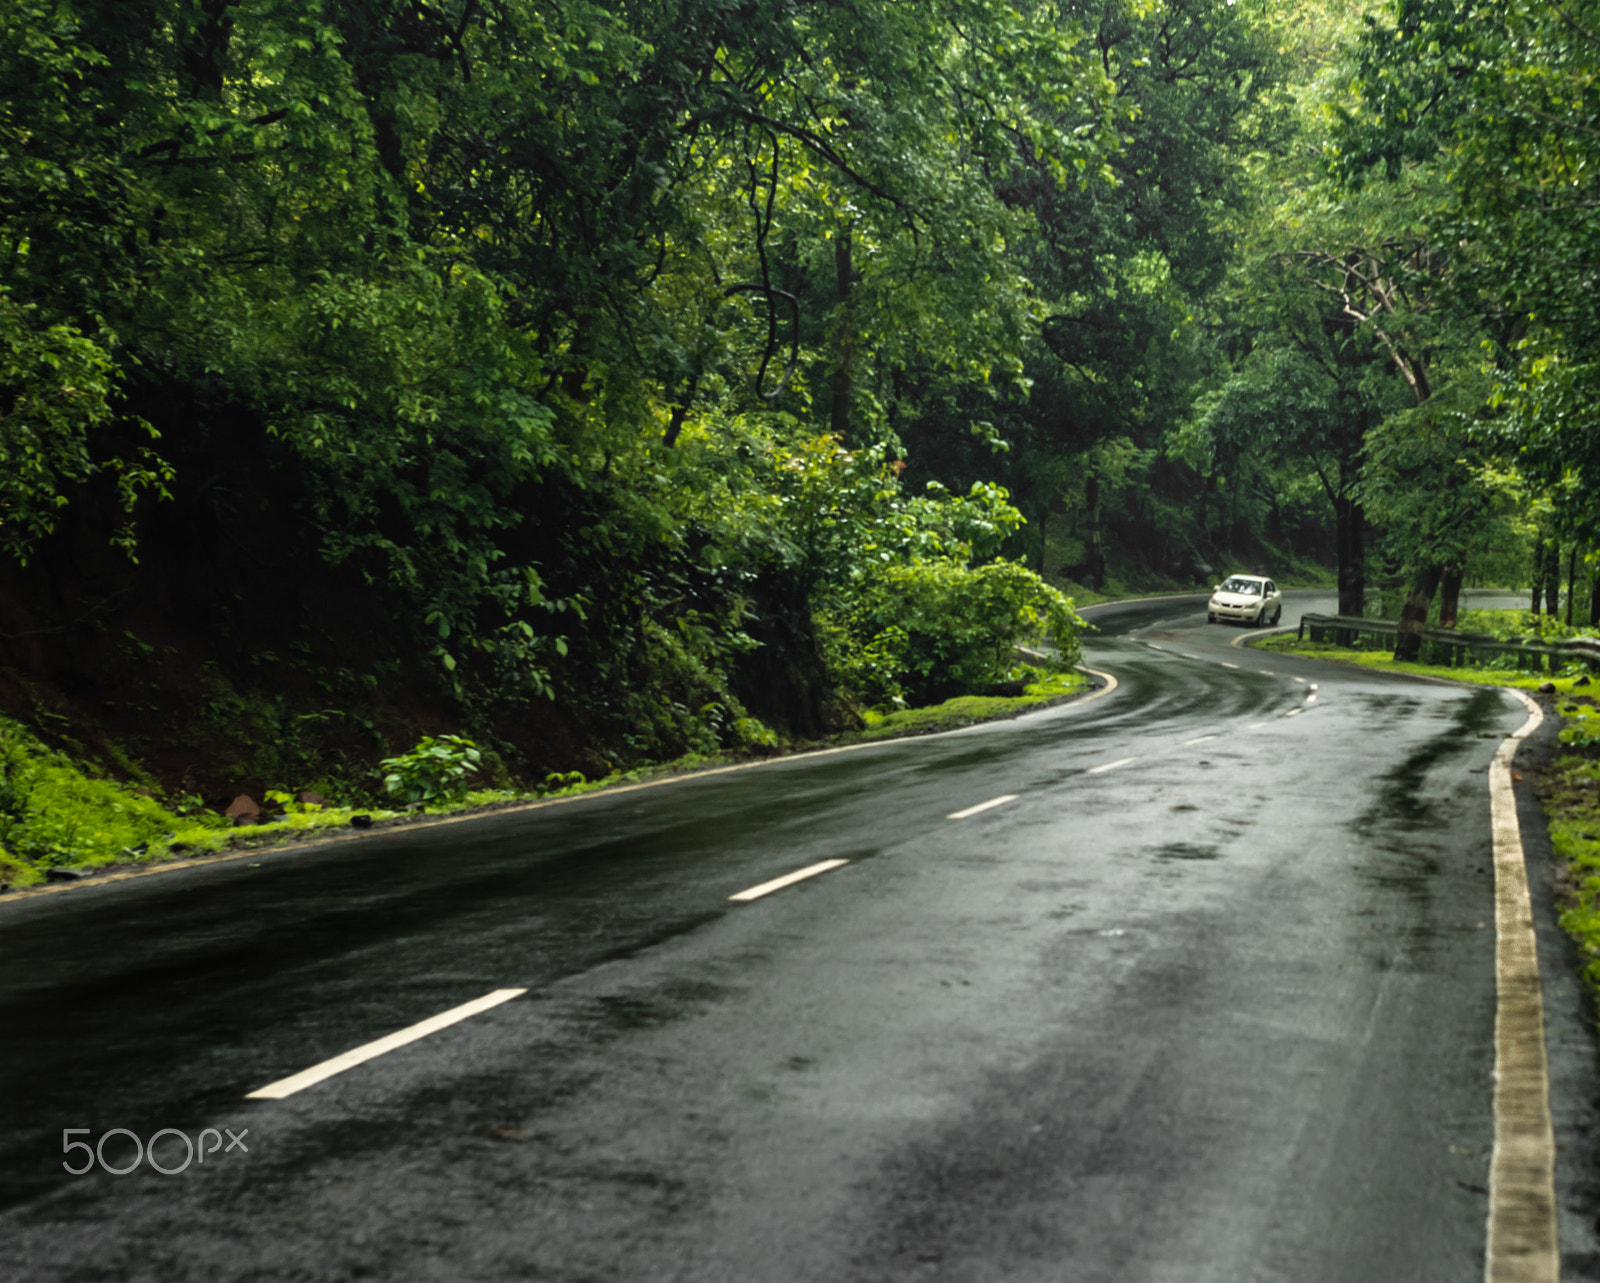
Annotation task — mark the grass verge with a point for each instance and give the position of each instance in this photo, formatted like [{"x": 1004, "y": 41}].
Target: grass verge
[
  {"x": 1569, "y": 791},
  {"x": 965, "y": 710},
  {"x": 1382, "y": 661}
]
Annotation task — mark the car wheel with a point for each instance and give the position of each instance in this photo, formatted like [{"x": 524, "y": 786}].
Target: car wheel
[
  {"x": 1276, "y": 616},
  {"x": 1261, "y": 619},
  {"x": 1210, "y": 618}
]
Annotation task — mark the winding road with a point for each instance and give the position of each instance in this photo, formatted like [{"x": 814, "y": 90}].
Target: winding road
[{"x": 1192, "y": 981}]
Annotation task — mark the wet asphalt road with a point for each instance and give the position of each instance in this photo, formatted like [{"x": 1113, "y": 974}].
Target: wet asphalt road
[{"x": 1222, "y": 1012}]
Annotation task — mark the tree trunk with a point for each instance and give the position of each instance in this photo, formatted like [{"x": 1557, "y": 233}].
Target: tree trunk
[
  {"x": 1538, "y": 574},
  {"x": 1450, "y": 595},
  {"x": 1572, "y": 581},
  {"x": 1348, "y": 518},
  {"x": 845, "y": 350},
  {"x": 1552, "y": 578},
  {"x": 1594, "y": 598},
  {"x": 1414, "y": 615},
  {"x": 1094, "y": 558}
]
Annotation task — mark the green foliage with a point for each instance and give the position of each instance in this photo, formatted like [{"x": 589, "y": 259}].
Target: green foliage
[
  {"x": 753, "y": 733},
  {"x": 928, "y": 629},
  {"x": 1499, "y": 100},
  {"x": 1571, "y": 800},
  {"x": 52, "y": 813},
  {"x": 55, "y": 397},
  {"x": 435, "y": 770},
  {"x": 1508, "y": 624},
  {"x": 1581, "y": 732},
  {"x": 669, "y": 370}
]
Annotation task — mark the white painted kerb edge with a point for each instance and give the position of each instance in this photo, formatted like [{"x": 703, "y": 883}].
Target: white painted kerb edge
[{"x": 1522, "y": 1246}]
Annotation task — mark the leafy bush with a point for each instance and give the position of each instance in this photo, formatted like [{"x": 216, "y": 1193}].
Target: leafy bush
[
  {"x": 927, "y": 630},
  {"x": 1507, "y": 625},
  {"x": 435, "y": 770}
]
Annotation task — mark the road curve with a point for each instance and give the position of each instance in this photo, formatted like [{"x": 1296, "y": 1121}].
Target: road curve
[{"x": 1199, "y": 986}]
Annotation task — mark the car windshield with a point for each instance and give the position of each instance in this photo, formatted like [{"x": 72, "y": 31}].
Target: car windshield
[{"x": 1245, "y": 587}]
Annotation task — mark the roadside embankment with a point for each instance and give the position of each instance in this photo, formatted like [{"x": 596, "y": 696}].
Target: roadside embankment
[{"x": 60, "y": 822}]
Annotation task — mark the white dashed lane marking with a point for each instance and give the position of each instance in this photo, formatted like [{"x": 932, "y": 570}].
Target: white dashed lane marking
[
  {"x": 1111, "y": 766},
  {"x": 359, "y": 1055},
  {"x": 982, "y": 806},
  {"x": 788, "y": 879}
]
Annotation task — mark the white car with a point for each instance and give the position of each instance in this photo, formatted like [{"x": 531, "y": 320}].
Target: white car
[{"x": 1250, "y": 598}]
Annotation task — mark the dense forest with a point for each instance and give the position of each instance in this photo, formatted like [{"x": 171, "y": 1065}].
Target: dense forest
[{"x": 614, "y": 379}]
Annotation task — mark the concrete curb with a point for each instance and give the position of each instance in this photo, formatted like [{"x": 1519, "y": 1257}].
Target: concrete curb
[{"x": 1522, "y": 1242}]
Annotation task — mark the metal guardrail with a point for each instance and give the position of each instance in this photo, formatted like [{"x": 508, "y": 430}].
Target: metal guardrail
[{"x": 1447, "y": 646}]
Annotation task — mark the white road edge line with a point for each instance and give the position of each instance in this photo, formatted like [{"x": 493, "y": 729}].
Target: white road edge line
[
  {"x": 1522, "y": 1242},
  {"x": 788, "y": 879},
  {"x": 982, "y": 806},
  {"x": 1199, "y": 739},
  {"x": 328, "y": 1068},
  {"x": 1111, "y": 766}
]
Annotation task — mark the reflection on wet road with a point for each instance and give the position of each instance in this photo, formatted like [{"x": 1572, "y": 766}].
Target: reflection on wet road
[{"x": 1190, "y": 981}]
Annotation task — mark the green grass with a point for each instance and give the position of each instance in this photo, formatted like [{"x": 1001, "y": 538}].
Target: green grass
[
  {"x": 964, "y": 710},
  {"x": 57, "y": 813},
  {"x": 1570, "y": 795},
  {"x": 1382, "y": 661}
]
